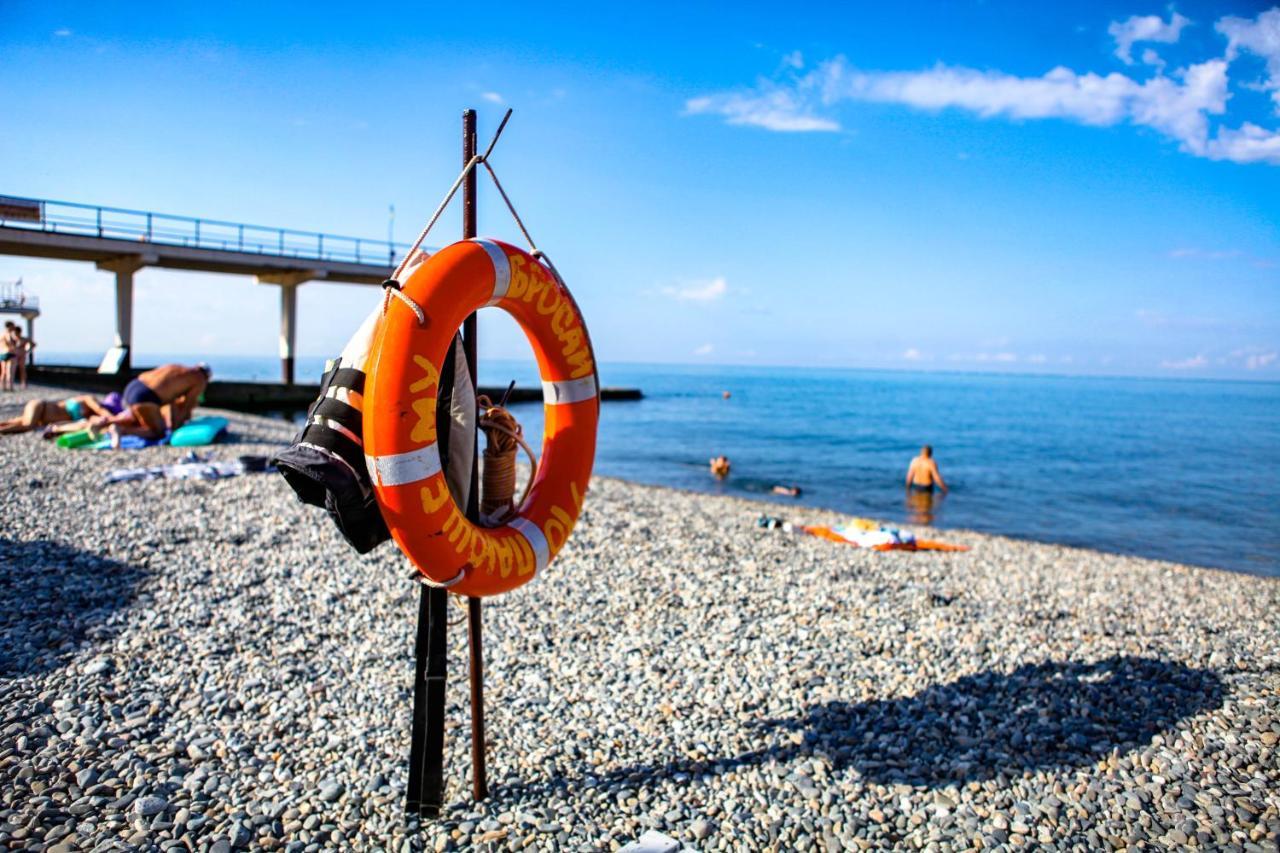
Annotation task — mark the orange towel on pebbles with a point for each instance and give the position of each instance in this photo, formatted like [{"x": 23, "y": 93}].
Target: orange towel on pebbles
[
  {"x": 923, "y": 545},
  {"x": 879, "y": 539}
]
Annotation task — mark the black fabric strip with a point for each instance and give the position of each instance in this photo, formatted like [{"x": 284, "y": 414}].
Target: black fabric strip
[
  {"x": 349, "y": 377},
  {"x": 343, "y": 413},
  {"x": 426, "y": 746},
  {"x": 330, "y": 439},
  {"x": 437, "y": 664}
]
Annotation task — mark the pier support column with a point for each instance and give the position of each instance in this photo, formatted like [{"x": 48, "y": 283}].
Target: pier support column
[
  {"x": 288, "y": 282},
  {"x": 31, "y": 336},
  {"x": 124, "y": 268},
  {"x": 288, "y": 330}
]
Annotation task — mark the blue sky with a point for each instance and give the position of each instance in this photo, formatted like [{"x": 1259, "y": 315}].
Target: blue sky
[{"x": 840, "y": 186}]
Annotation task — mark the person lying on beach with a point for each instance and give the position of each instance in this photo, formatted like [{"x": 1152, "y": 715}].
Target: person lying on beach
[
  {"x": 923, "y": 473},
  {"x": 39, "y": 413},
  {"x": 175, "y": 387}
]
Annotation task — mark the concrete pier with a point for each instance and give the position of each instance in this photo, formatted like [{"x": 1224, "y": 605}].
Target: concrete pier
[{"x": 125, "y": 241}]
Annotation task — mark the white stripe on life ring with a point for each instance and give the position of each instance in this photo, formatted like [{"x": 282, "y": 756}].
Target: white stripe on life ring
[
  {"x": 568, "y": 391},
  {"x": 537, "y": 541},
  {"x": 397, "y": 469},
  {"x": 501, "y": 269}
]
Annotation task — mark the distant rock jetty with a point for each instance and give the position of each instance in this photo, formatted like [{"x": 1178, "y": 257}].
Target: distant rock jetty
[{"x": 207, "y": 663}]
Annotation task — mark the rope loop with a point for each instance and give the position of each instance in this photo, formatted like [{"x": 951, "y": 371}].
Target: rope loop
[
  {"x": 418, "y": 577},
  {"x": 391, "y": 288}
]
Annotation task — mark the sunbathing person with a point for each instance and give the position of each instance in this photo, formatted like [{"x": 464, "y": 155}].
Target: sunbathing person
[
  {"x": 173, "y": 387},
  {"x": 40, "y": 413}
]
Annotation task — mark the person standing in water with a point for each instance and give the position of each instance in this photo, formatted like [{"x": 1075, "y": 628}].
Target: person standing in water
[{"x": 923, "y": 473}]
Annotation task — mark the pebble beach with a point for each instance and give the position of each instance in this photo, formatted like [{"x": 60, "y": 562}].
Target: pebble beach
[{"x": 205, "y": 665}]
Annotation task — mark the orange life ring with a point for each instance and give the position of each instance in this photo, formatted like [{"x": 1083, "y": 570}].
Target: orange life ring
[{"x": 400, "y": 417}]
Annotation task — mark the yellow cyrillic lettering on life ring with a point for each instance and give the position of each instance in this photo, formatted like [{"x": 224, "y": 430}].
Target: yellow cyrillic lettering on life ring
[
  {"x": 430, "y": 380},
  {"x": 424, "y": 429},
  {"x": 434, "y": 494}
]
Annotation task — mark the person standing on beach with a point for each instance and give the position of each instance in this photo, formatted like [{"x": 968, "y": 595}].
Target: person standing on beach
[
  {"x": 22, "y": 347},
  {"x": 923, "y": 473},
  {"x": 6, "y": 356}
]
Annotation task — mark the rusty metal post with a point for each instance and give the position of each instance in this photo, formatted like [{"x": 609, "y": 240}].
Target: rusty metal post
[{"x": 479, "y": 780}]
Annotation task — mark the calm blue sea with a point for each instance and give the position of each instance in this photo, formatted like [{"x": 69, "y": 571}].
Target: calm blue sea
[{"x": 1178, "y": 470}]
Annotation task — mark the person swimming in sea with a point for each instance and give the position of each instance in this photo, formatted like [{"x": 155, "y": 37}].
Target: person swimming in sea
[
  {"x": 720, "y": 466},
  {"x": 923, "y": 474}
]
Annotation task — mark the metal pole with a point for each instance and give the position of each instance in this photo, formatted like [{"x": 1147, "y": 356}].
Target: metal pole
[{"x": 479, "y": 779}]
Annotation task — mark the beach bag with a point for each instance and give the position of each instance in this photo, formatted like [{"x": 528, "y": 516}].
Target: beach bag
[{"x": 326, "y": 466}]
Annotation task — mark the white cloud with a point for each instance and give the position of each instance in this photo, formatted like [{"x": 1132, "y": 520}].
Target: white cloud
[
  {"x": 699, "y": 291},
  {"x": 771, "y": 107},
  {"x": 705, "y": 349},
  {"x": 1261, "y": 36},
  {"x": 1145, "y": 28},
  {"x": 1177, "y": 105},
  {"x": 912, "y": 354},
  {"x": 492, "y": 97},
  {"x": 794, "y": 59},
  {"x": 1260, "y": 360},
  {"x": 62, "y": 32},
  {"x": 1192, "y": 363},
  {"x": 1249, "y": 144},
  {"x": 1150, "y": 57},
  {"x": 1038, "y": 358}
]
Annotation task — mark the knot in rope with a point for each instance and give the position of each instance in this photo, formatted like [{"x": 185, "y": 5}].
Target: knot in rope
[
  {"x": 392, "y": 288},
  {"x": 503, "y": 436}
]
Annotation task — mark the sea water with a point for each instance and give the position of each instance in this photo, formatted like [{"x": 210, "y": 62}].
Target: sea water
[{"x": 1181, "y": 470}]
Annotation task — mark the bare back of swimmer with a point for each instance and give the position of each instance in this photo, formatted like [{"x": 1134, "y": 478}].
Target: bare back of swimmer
[
  {"x": 175, "y": 386},
  {"x": 923, "y": 472}
]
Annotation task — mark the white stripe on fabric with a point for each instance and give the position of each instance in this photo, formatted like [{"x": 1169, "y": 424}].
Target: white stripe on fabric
[
  {"x": 568, "y": 391},
  {"x": 332, "y": 456},
  {"x": 337, "y": 427},
  {"x": 501, "y": 269},
  {"x": 397, "y": 469},
  {"x": 346, "y": 395},
  {"x": 537, "y": 541}
]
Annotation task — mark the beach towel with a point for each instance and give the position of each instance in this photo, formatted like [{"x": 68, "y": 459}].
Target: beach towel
[
  {"x": 194, "y": 468},
  {"x": 882, "y": 539},
  {"x": 863, "y": 533}
]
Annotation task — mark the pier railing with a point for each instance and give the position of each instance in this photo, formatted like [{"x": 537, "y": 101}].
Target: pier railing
[
  {"x": 64, "y": 217},
  {"x": 14, "y": 298}
]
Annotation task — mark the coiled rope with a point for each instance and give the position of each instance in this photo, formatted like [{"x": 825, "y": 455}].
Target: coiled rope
[{"x": 503, "y": 437}]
